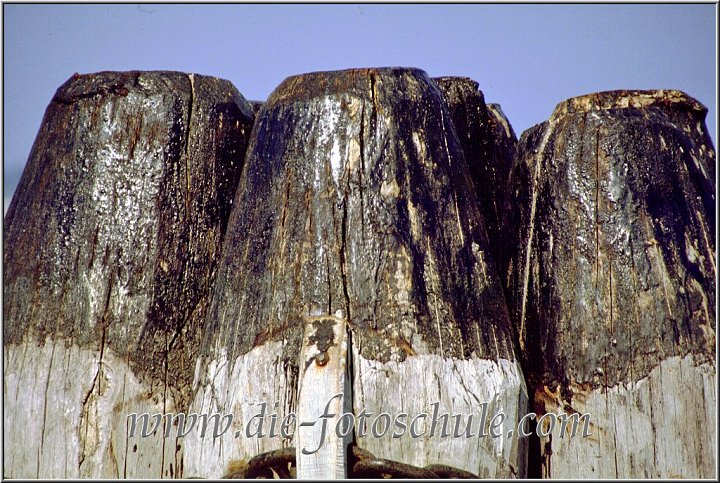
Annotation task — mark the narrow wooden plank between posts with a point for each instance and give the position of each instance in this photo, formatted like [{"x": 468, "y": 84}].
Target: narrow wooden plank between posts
[{"x": 323, "y": 395}]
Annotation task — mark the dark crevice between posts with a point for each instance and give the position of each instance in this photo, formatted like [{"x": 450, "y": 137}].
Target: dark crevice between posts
[{"x": 535, "y": 457}]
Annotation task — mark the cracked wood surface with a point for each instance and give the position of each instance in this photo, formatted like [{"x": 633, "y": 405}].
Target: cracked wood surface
[
  {"x": 356, "y": 197},
  {"x": 373, "y": 194},
  {"x": 111, "y": 243},
  {"x": 611, "y": 280},
  {"x": 488, "y": 143}
]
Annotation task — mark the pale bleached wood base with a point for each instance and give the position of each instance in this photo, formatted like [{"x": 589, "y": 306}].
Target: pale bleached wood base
[
  {"x": 460, "y": 387},
  {"x": 662, "y": 426}
]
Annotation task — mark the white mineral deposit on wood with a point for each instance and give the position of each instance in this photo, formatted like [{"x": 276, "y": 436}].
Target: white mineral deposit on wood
[
  {"x": 460, "y": 387},
  {"x": 65, "y": 416},
  {"x": 321, "y": 454},
  {"x": 663, "y": 426},
  {"x": 239, "y": 388}
]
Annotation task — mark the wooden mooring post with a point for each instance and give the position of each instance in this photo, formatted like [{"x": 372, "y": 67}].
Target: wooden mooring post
[{"x": 370, "y": 243}]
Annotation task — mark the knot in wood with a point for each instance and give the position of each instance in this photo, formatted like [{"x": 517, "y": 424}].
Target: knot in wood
[{"x": 322, "y": 358}]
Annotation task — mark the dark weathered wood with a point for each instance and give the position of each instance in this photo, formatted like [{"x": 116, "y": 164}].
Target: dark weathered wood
[
  {"x": 256, "y": 105},
  {"x": 335, "y": 190},
  {"x": 612, "y": 280},
  {"x": 488, "y": 142},
  {"x": 146, "y": 271},
  {"x": 356, "y": 203},
  {"x": 111, "y": 245}
]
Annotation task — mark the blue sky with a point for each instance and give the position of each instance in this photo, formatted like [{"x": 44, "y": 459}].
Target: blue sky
[{"x": 525, "y": 57}]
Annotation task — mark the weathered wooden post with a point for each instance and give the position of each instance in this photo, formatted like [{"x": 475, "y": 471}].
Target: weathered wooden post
[
  {"x": 348, "y": 264},
  {"x": 488, "y": 142},
  {"x": 356, "y": 206},
  {"x": 111, "y": 245},
  {"x": 612, "y": 284}
]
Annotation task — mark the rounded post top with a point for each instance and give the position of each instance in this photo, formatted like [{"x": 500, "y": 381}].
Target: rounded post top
[{"x": 622, "y": 99}]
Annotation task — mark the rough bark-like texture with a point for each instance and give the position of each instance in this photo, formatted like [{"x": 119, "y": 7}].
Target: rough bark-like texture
[
  {"x": 502, "y": 155},
  {"x": 256, "y": 105},
  {"x": 351, "y": 201},
  {"x": 612, "y": 281},
  {"x": 356, "y": 200},
  {"x": 146, "y": 271},
  {"x": 111, "y": 245},
  {"x": 488, "y": 142}
]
